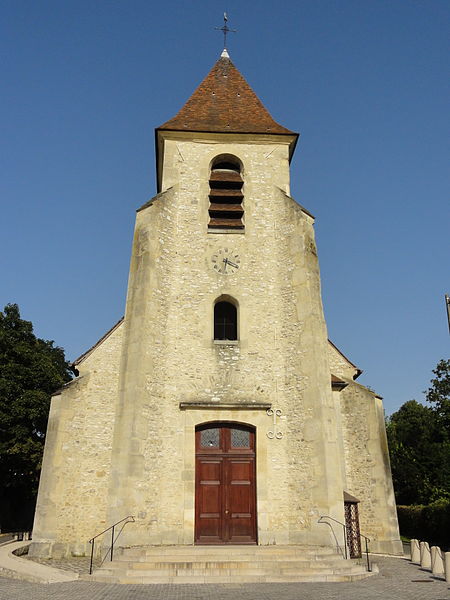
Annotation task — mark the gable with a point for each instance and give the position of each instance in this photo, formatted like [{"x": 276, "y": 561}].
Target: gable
[
  {"x": 340, "y": 365},
  {"x": 97, "y": 345}
]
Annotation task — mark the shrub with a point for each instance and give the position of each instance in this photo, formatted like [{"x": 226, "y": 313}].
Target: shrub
[{"x": 430, "y": 523}]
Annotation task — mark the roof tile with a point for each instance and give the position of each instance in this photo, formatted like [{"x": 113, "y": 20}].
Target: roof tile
[{"x": 224, "y": 102}]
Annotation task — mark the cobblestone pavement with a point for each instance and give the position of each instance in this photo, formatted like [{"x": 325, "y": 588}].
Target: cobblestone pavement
[
  {"x": 74, "y": 564},
  {"x": 398, "y": 580}
]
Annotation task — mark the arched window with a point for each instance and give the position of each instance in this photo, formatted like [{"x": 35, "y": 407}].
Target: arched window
[
  {"x": 225, "y": 194},
  {"x": 225, "y": 321}
]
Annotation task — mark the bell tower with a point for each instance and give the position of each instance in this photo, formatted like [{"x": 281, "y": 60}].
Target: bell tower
[{"x": 224, "y": 325}]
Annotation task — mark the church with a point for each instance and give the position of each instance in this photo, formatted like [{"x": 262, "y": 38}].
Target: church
[{"x": 217, "y": 411}]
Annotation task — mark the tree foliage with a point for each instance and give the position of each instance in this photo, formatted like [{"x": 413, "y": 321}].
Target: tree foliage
[
  {"x": 430, "y": 522},
  {"x": 439, "y": 393},
  {"x": 31, "y": 369},
  {"x": 419, "y": 444}
]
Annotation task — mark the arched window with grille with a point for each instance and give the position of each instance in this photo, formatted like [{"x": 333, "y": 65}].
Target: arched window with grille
[
  {"x": 225, "y": 321},
  {"x": 225, "y": 194}
]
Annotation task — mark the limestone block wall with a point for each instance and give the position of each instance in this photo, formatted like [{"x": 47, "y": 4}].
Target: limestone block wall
[
  {"x": 72, "y": 498},
  {"x": 169, "y": 355},
  {"x": 368, "y": 473},
  {"x": 118, "y": 442},
  {"x": 339, "y": 364}
]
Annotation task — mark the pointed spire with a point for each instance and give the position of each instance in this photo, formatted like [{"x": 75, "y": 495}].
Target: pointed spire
[{"x": 224, "y": 102}]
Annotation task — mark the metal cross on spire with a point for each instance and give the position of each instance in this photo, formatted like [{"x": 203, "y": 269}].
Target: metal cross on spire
[{"x": 225, "y": 30}]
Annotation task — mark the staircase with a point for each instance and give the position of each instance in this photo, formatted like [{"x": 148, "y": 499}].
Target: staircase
[{"x": 227, "y": 564}]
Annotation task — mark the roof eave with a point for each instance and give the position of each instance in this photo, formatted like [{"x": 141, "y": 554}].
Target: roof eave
[
  {"x": 80, "y": 359},
  {"x": 358, "y": 370}
]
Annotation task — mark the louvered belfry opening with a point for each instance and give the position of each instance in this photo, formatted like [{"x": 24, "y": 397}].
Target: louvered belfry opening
[{"x": 225, "y": 195}]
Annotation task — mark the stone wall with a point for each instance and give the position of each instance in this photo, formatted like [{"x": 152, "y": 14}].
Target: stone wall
[
  {"x": 368, "y": 473},
  {"x": 73, "y": 490},
  {"x": 118, "y": 441},
  {"x": 170, "y": 356},
  {"x": 339, "y": 364}
]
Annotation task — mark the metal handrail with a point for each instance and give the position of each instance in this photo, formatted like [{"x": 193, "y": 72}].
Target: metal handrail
[
  {"x": 344, "y": 527},
  {"x": 129, "y": 519},
  {"x": 367, "y": 540}
]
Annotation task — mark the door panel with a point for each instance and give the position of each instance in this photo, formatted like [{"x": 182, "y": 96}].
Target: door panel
[
  {"x": 209, "y": 499},
  {"x": 225, "y": 502},
  {"x": 240, "y": 499}
]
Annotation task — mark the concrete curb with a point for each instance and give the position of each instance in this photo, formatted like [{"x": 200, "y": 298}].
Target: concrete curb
[{"x": 21, "y": 568}]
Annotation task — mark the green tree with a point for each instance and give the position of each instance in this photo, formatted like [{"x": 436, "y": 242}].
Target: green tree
[
  {"x": 31, "y": 369},
  {"x": 438, "y": 395},
  {"x": 419, "y": 444},
  {"x": 409, "y": 433}
]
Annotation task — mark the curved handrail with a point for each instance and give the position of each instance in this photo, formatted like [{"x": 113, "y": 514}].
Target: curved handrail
[
  {"x": 331, "y": 518},
  {"x": 367, "y": 540},
  {"x": 125, "y": 520},
  {"x": 111, "y": 526},
  {"x": 344, "y": 527}
]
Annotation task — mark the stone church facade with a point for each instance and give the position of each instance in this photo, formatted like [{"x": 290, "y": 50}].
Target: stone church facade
[{"x": 217, "y": 411}]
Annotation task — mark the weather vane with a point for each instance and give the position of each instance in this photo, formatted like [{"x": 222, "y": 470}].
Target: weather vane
[{"x": 225, "y": 29}]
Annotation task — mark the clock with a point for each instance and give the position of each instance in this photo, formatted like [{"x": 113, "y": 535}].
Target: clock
[{"x": 225, "y": 261}]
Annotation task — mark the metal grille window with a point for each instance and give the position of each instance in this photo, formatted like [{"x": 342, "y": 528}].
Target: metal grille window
[
  {"x": 209, "y": 438},
  {"x": 240, "y": 438},
  {"x": 352, "y": 525},
  {"x": 225, "y": 321}
]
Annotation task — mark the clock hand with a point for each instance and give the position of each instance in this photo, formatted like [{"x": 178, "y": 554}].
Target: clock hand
[
  {"x": 225, "y": 260},
  {"x": 232, "y": 264}
]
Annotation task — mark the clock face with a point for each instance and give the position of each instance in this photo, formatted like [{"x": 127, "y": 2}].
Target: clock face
[{"x": 225, "y": 261}]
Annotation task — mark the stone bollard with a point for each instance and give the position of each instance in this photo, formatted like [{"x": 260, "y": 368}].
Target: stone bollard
[
  {"x": 447, "y": 566},
  {"x": 425, "y": 555},
  {"x": 437, "y": 563},
  {"x": 415, "y": 551}
]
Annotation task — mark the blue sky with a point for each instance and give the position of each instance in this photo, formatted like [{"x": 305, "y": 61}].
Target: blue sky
[{"x": 365, "y": 82}]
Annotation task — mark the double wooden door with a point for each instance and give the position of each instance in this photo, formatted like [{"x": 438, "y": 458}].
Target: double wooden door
[{"x": 225, "y": 491}]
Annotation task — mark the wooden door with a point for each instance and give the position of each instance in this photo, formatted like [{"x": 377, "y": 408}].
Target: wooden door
[{"x": 225, "y": 491}]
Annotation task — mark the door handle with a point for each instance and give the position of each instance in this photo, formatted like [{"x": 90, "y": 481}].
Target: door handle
[{"x": 226, "y": 512}]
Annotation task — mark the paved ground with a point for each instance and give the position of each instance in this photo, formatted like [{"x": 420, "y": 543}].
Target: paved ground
[
  {"x": 6, "y": 538},
  {"x": 74, "y": 564},
  {"x": 398, "y": 580}
]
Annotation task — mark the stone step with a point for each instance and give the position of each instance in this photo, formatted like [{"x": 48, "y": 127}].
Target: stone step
[
  {"x": 214, "y": 558},
  {"x": 227, "y": 564},
  {"x": 227, "y": 550},
  {"x": 232, "y": 564},
  {"x": 226, "y": 572},
  {"x": 215, "y": 554},
  {"x": 220, "y": 564},
  {"x": 176, "y": 579}
]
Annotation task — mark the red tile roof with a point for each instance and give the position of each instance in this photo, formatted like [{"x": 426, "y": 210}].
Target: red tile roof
[{"x": 224, "y": 102}]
